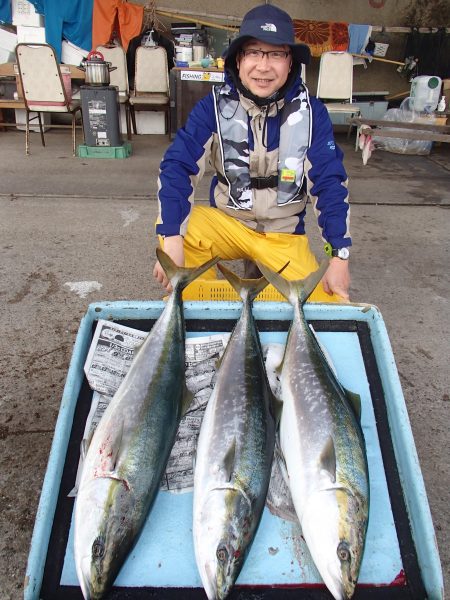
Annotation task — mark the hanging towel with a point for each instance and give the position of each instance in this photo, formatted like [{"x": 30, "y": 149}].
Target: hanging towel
[
  {"x": 108, "y": 14},
  {"x": 359, "y": 36},
  {"x": 321, "y": 36},
  {"x": 5, "y": 11}
]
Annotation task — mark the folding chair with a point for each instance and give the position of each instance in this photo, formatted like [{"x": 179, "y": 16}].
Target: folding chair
[
  {"x": 119, "y": 77},
  {"x": 151, "y": 83},
  {"x": 336, "y": 83},
  {"x": 44, "y": 87}
]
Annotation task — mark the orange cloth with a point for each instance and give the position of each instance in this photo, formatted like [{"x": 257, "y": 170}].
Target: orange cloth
[
  {"x": 321, "y": 36},
  {"x": 107, "y": 14}
]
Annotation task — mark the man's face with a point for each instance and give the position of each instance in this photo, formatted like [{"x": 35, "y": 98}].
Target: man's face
[{"x": 263, "y": 76}]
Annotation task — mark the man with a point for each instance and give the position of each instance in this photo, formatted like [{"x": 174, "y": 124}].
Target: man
[{"x": 272, "y": 147}]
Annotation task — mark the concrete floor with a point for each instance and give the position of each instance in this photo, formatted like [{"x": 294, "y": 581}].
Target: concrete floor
[{"x": 65, "y": 219}]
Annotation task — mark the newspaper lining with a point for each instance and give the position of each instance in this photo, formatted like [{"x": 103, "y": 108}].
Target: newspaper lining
[{"x": 108, "y": 360}]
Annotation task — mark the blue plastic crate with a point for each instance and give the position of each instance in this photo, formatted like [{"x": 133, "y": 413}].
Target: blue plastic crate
[{"x": 401, "y": 558}]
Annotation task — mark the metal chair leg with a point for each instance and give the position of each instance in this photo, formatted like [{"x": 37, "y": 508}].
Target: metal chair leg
[
  {"x": 168, "y": 123},
  {"x": 133, "y": 119},
  {"x": 27, "y": 132},
  {"x": 41, "y": 129},
  {"x": 74, "y": 129},
  {"x": 128, "y": 121},
  {"x": 82, "y": 125}
]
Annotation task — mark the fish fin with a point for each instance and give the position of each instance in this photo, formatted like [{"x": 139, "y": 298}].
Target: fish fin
[
  {"x": 83, "y": 448},
  {"x": 282, "y": 463},
  {"x": 355, "y": 402},
  {"x": 186, "y": 401},
  {"x": 112, "y": 451},
  {"x": 277, "y": 409},
  {"x": 182, "y": 275},
  {"x": 324, "y": 351},
  {"x": 244, "y": 287},
  {"x": 278, "y": 282},
  {"x": 229, "y": 460},
  {"x": 309, "y": 284},
  {"x": 328, "y": 459},
  {"x": 303, "y": 287}
]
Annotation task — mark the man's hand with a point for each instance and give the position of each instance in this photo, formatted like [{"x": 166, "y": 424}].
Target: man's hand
[
  {"x": 173, "y": 246},
  {"x": 337, "y": 278}
]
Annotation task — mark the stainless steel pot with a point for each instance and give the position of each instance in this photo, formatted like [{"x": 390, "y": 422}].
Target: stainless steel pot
[{"x": 96, "y": 68}]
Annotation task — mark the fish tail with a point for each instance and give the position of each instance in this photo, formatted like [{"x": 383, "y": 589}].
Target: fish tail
[
  {"x": 244, "y": 287},
  {"x": 182, "y": 276},
  {"x": 298, "y": 288}
]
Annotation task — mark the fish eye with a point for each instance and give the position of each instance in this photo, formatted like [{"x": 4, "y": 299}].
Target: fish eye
[
  {"x": 98, "y": 548},
  {"x": 222, "y": 554},
  {"x": 343, "y": 552}
]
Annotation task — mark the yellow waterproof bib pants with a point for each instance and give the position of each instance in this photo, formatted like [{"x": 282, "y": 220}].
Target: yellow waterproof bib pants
[{"x": 211, "y": 232}]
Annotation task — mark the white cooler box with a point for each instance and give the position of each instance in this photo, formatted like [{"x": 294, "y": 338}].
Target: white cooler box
[
  {"x": 146, "y": 122},
  {"x": 34, "y": 125}
]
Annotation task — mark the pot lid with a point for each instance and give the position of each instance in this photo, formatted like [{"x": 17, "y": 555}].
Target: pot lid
[{"x": 95, "y": 57}]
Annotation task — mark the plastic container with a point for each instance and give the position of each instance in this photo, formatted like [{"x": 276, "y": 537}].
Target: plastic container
[
  {"x": 71, "y": 54},
  {"x": 183, "y": 53},
  {"x": 401, "y": 558},
  {"x": 380, "y": 49},
  {"x": 425, "y": 93},
  {"x": 221, "y": 290},
  {"x": 123, "y": 151},
  {"x": 30, "y": 34},
  {"x": 198, "y": 52}
]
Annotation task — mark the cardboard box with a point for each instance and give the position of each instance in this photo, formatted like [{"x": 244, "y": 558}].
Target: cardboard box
[{"x": 24, "y": 13}]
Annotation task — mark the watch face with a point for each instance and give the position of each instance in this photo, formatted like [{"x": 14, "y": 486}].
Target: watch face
[{"x": 343, "y": 253}]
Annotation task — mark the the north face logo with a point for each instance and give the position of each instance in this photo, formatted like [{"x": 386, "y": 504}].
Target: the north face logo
[{"x": 268, "y": 27}]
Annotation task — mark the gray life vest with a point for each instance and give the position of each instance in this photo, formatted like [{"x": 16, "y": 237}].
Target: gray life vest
[{"x": 295, "y": 139}]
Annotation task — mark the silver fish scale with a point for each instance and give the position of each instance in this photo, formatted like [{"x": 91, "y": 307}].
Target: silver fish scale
[
  {"x": 234, "y": 453},
  {"x": 322, "y": 410},
  {"x": 240, "y": 386},
  {"x": 130, "y": 449}
]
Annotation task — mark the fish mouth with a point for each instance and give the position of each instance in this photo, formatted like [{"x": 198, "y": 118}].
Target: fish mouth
[
  {"x": 84, "y": 579},
  {"x": 209, "y": 585}
]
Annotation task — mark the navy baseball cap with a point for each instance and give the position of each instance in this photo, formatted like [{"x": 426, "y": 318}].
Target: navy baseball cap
[{"x": 272, "y": 25}]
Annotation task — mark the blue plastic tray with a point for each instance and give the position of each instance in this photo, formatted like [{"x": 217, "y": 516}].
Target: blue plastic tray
[{"x": 401, "y": 555}]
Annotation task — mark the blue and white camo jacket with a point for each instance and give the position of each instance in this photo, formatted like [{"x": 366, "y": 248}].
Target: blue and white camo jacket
[{"x": 197, "y": 149}]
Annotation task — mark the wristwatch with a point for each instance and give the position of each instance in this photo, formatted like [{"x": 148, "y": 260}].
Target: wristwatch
[{"x": 342, "y": 253}]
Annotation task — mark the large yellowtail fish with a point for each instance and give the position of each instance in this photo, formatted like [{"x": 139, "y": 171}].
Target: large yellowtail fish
[
  {"x": 129, "y": 450},
  {"x": 234, "y": 453},
  {"x": 323, "y": 447}
]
